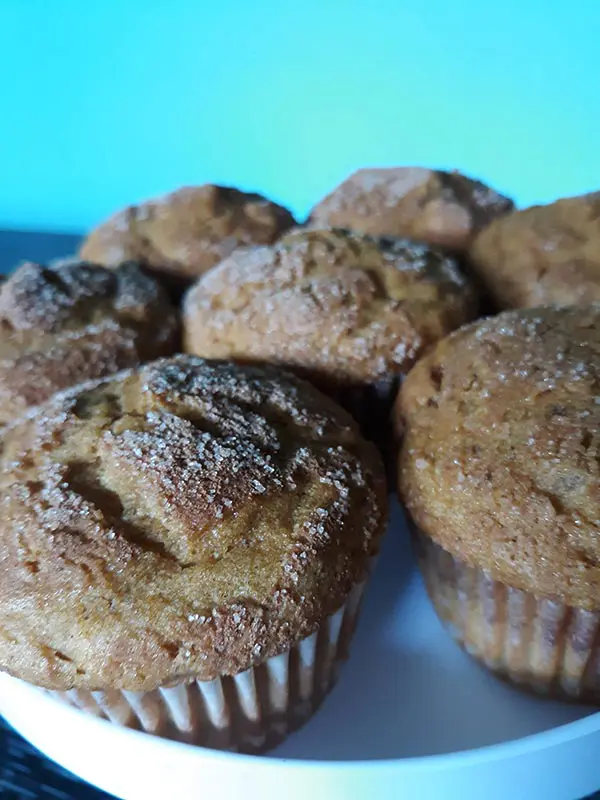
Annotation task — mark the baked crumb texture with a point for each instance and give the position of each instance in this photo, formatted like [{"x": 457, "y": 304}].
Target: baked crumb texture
[
  {"x": 499, "y": 466},
  {"x": 444, "y": 209},
  {"x": 75, "y": 321},
  {"x": 180, "y": 522},
  {"x": 542, "y": 255},
  {"x": 182, "y": 234},
  {"x": 339, "y": 307}
]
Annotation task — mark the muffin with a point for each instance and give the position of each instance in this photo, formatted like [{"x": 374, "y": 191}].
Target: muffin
[
  {"x": 500, "y": 473},
  {"x": 444, "y": 209},
  {"x": 349, "y": 312},
  {"x": 543, "y": 255},
  {"x": 75, "y": 321},
  {"x": 181, "y": 235},
  {"x": 183, "y": 548}
]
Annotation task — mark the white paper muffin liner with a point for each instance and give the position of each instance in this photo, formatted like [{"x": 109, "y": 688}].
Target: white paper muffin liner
[
  {"x": 537, "y": 643},
  {"x": 248, "y": 712}
]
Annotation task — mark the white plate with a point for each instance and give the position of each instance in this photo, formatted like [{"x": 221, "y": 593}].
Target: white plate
[{"x": 412, "y": 717}]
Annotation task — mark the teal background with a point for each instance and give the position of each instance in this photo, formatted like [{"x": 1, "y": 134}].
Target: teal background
[{"x": 103, "y": 103}]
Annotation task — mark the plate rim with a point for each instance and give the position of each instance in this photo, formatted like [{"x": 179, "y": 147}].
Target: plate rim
[{"x": 510, "y": 749}]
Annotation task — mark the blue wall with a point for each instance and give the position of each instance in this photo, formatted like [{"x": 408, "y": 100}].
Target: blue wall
[{"x": 103, "y": 103}]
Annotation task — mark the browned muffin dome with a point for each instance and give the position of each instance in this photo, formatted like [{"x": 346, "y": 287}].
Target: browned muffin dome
[
  {"x": 340, "y": 307},
  {"x": 543, "y": 255},
  {"x": 185, "y": 233},
  {"x": 444, "y": 209},
  {"x": 188, "y": 519},
  {"x": 500, "y": 458},
  {"x": 75, "y": 321}
]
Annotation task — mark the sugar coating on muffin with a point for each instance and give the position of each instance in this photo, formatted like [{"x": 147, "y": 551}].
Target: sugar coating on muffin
[
  {"x": 182, "y": 521},
  {"x": 499, "y": 465},
  {"x": 75, "y": 321},
  {"x": 183, "y": 234},
  {"x": 338, "y": 306},
  {"x": 543, "y": 255},
  {"x": 444, "y": 209}
]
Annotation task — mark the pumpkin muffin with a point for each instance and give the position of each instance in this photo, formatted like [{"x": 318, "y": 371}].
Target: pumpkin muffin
[
  {"x": 183, "y": 548},
  {"x": 181, "y": 235},
  {"x": 349, "y": 312},
  {"x": 444, "y": 209},
  {"x": 75, "y": 321},
  {"x": 500, "y": 473},
  {"x": 543, "y": 255}
]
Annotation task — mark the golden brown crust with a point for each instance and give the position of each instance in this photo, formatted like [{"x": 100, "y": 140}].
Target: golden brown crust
[
  {"x": 445, "y": 209},
  {"x": 185, "y": 520},
  {"x": 336, "y": 306},
  {"x": 543, "y": 255},
  {"x": 75, "y": 321},
  {"x": 183, "y": 234},
  {"x": 500, "y": 457}
]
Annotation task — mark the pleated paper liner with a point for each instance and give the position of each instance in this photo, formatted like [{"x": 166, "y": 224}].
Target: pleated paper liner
[
  {"x": 538, "y": 643},
  {"x": 249, "y": 712}
]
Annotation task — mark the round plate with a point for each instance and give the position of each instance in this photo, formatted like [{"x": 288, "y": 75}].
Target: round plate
[{"x": 412, "y": 716}]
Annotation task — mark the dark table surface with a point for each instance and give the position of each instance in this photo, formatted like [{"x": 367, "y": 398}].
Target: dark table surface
[
  {"x": 25, "y": 774},
  {"x": 18, "y": 246}
]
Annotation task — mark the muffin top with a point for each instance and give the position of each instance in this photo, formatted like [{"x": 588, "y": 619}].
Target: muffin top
[
  {"x": 336, "y": 305},
  {"x": 543, "y": 255},
  {"x": 445, "y": 209},
  {"x": 185, "y": 520},
  {"x": 75, "y": 321},
  {"x": 500, "y": 460},
  {"x": 185, "y": 233}
]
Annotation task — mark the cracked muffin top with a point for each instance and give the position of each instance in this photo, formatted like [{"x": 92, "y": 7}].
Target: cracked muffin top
[
  {"x": 338, "y": 306},
  {"x": 444, "y": 209},
  {"x": 500, "y": 463},
  {"x": 75, "y": 321},
  {"x": 185, "y": 520},
  {"x": 543, "y": 255},
  {"x": 181, "y": 235}
]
